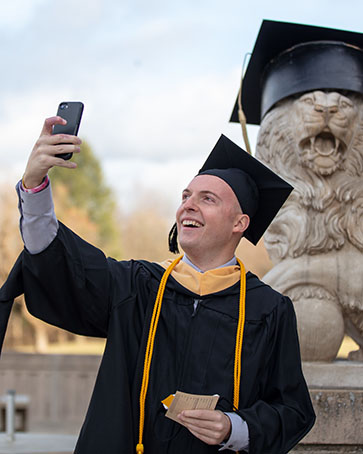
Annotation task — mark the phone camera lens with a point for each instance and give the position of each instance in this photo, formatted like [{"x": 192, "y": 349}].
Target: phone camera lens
[{"x": 63, "y": 106}]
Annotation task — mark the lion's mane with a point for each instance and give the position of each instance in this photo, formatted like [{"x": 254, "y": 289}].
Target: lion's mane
[{"x": 326, "y": 207}]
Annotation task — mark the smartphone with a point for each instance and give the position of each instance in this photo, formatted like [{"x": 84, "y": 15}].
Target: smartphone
[{"x": 72, "y": 112}]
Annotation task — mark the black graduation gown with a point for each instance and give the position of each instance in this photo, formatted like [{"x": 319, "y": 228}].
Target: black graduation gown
[{"x": 72, "y": 285}]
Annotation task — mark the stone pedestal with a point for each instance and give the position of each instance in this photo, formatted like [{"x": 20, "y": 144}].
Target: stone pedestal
[{"x": 337, "y": 394}]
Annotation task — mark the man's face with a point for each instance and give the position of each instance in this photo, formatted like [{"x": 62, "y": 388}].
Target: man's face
[{"x": 207, "y": 216}]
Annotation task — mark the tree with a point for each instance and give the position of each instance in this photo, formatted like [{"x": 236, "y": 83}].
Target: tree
[
  {"x": 21, "y": 324},
  {"x": 145, "y": 229},
  {"x": 84, "y": 193},
  {"x": 86, "y": 204},
  {"x": 10, "y": 241}
]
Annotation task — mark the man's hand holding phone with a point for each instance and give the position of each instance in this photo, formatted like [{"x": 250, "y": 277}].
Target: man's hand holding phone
[
  {"x": 46, "y": 150},
  {"x": 72, "y": 113}
]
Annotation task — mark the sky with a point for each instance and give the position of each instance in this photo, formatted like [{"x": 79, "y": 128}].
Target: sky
[{"x": 158, "y": 79}]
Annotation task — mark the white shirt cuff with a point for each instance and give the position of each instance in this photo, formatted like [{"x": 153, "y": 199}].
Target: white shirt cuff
[{"x": 239, "y": 438}]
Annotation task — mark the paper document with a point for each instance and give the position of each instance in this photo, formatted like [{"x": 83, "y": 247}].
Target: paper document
[{"x": 184, "y": 401}]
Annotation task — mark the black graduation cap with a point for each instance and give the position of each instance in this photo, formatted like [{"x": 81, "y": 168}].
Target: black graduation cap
[
  {"x": 260, "y": 192},
  {"x": 290, "y": 58}
]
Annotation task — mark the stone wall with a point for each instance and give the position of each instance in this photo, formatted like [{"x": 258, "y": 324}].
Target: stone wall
[{"x": 59, "y": 387}]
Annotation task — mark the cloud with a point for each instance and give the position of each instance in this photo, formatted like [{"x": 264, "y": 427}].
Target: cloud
[
  {"x": 16, "y": 14},
  {"x": 152, "y": 140},
  {"x": 132, "y": 177},
  {"x": 164, "y": 179},
  {"x": 158, "y": 79},
  {"x": 160, "y": 120},
  {"x": 21, "y": 119}
]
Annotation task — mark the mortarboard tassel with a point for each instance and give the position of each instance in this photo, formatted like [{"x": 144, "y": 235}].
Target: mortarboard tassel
[
  {"x": 149, "y": 351},
  {"x": 173, "y": 240}
]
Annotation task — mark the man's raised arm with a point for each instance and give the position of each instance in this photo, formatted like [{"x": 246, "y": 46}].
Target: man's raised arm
[{"x": 38, "y": 223}]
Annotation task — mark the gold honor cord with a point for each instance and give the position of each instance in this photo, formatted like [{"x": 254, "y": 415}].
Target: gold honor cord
[
  {"x": 149, "y": 350},
  {"x": 239, "y": 336},
  {"x": 151, "y": 339}
]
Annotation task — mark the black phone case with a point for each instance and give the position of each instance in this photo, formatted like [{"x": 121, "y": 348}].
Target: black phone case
[{"x": 72, "y": 112}]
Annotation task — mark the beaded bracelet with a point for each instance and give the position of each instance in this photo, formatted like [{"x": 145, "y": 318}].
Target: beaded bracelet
[{"x": 39, "y": 188}]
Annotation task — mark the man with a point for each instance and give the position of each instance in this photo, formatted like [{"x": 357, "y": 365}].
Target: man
[{"x": 200, "y": 324}]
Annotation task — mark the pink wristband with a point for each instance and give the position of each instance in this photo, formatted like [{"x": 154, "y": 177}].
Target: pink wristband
[{"x": 39, "y": 188}]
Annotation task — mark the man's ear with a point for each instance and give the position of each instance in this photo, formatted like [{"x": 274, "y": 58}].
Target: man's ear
[{"x": 242, "y": 223}]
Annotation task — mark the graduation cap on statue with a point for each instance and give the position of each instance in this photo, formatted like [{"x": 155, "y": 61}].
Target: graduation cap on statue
[
  {"x": 260, "y": 192},
  {"x": 290, "y": 59}
]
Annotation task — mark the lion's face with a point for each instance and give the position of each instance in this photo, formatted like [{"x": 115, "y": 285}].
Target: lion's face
[
  {"x": 322, "y": 129},
  {"x": 315, "y": 142}
]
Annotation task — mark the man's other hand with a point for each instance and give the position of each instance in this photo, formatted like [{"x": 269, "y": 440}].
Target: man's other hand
[{"x": 210, "y": 426}]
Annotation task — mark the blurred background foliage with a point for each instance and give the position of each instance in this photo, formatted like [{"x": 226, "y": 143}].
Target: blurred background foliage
[{"x": 85, "y": 202}]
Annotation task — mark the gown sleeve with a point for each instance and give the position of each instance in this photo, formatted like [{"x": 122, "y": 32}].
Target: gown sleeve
[
  {"x": 67, "y": 282},
  {"x": 12, "y": 288},
  {"x": 284, "y": 413},
  {"x": 71, "y": 284}
]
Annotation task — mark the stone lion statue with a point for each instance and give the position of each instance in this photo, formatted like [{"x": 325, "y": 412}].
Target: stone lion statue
[{"x": 315, "y": 141}]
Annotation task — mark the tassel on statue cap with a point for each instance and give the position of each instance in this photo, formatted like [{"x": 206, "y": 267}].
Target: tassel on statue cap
[{"x": 241, "y": 115}]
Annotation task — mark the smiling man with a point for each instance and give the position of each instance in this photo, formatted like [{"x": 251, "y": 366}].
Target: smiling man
[
  {"x": 199, "y": 324},
  {"x": 210, "y": 222}
]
